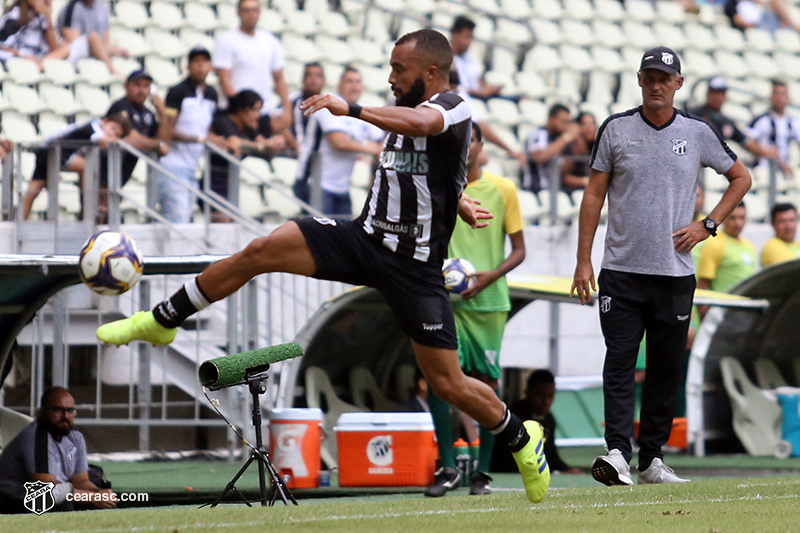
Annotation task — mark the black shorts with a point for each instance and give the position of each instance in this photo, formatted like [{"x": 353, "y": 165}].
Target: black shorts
[{"x": 414, "y": 290}]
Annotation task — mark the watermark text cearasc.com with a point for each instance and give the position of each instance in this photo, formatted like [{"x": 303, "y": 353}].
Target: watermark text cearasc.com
[{"x": 91, "y": 497}]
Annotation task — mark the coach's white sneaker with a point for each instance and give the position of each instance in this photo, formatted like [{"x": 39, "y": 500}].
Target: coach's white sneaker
[
  {"x": 612, "y": 469},
  {"x": 658, "y": 472}
]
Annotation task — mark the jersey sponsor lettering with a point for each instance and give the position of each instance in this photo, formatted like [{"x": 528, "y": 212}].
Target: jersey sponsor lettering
[{"x": 412, "y": 162}]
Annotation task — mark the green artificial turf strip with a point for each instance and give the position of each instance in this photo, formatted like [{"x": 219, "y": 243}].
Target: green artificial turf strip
[{"x": 732, "y": 505}]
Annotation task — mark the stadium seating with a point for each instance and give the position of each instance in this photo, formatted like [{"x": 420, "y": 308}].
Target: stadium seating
[
  {"x": 767, "y": 374},
  {"x": 580, "y": 52},
  {"x": 756, "y": 420},
  {"x": 320, "y": 394}
]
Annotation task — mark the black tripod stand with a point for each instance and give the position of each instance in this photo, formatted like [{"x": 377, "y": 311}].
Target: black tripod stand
[{"x": 257, "y": 384}]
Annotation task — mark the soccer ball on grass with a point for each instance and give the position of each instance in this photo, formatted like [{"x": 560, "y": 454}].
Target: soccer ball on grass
[{"x": 110, "y": 263}]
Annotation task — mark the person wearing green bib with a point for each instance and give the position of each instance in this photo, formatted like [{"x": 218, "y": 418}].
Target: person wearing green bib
[
  {"x": 482, "y": 311},
  {"x": 727, "y": 259},
  {"x": 782, "y": 247}
]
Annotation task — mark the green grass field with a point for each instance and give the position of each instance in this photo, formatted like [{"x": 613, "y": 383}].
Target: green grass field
[{"x": 730, "y": 505}]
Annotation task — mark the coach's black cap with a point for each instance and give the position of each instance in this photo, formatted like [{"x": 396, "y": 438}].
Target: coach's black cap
[
  {"x": 199, "y": 51},
  {"x": 661, "y": 58}
]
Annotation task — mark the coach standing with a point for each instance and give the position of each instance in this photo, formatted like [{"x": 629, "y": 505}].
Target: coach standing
[{"x": 648, "y": 161}]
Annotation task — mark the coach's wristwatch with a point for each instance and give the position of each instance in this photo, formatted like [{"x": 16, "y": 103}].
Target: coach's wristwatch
[{"x": 710, "y": 226}]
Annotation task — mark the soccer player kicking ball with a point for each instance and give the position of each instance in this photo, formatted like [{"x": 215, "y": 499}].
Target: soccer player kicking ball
[{"x": 397, "y": 245}]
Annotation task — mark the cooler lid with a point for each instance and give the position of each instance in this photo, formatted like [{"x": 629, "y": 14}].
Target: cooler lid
[
  {"x": 384, "y": 421},
  {"x": 296, "y": 413}
]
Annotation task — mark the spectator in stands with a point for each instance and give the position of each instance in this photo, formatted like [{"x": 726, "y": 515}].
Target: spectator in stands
[
  {"x": 419, "y": 402},
  {"x": 470, "y": 73},
  {"x": 26, "y": 31},
  {"x": 728, "y": 258},
  {"x": 547, "y": 143},
  {"x": 313, "y": 83},
  {"x": 575, "y": 168},
  {"x": 102, "y": 132},
  {"x": 187, "y": 117},
  {"x": 488, "y": 132},
  {"x": 777, "y": 128},
  {"x": 51, "y": 450},
  {"x": 782, "y": 247},
  {"x": 711, "y": 112},
  {"x": 332, "y": 145},
  {"x": 84, "y": 25},
  {"x": 238, "y": 126},
  {"x": 248, "y": 57},
  {"x": 539, "y": 395},
  {"x": 764, "y": 14},
  {"x": 144, "y": 132}
]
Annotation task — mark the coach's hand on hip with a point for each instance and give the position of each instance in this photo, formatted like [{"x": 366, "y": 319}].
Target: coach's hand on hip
[
  {"x": 335, "y": 105},
  {"x": 689, "y": 236},
  {"x": 583, "y": 282}
]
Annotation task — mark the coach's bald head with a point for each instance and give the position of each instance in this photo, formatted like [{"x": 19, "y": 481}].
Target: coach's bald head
[{"x": 420, "y": 64}]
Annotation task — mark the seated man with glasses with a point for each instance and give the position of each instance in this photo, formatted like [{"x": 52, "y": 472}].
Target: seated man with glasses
[{"x": 49, "y": 449}]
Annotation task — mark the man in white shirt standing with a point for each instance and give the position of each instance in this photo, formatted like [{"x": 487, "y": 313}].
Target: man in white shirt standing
[
  {"x": 337, "y": 141},
  {"x": 777, "y": 128},
  {"x": 251, "y": 58}
]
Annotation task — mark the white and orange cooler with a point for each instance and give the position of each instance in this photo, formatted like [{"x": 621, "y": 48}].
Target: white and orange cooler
[
  {"x": 385, "y": 449},
  {"x": 294, "y": 443}
]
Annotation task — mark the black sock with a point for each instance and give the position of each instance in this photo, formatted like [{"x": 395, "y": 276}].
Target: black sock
[
  {"x": 511, "y": 432},
  {"x": 174, "y": 310}
]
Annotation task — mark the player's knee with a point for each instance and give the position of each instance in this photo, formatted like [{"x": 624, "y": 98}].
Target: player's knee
[{"x": 258, "y": 252}]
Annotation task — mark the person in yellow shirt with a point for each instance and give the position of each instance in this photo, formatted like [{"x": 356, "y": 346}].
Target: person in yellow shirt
[
  {"x": 782, "y": 247},
  {"x": 727, "y": 259}
]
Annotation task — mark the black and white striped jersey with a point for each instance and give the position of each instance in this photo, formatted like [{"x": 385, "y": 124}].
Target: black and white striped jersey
[{"x": 413, "y": 203}]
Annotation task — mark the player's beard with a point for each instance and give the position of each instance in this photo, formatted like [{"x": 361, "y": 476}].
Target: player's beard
[{"x": 414, "y": 95}]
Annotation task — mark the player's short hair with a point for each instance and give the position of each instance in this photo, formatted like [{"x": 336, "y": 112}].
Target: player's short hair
[
  {"x": 312, "y": 64},
  {"x": 741, "y": 204},
  {"x": 477, "y": 129},
  {"x": 432, "y": 43},
  {"x": 243, "y": 100},
  {"x": 48, "y": 393},
  {"x": 123, "y": 120},
  {"x": 780, "y": 208},
  {"x": 582, "y": 114},
  {"x": 556, "y": 109},
  {"x": 540, "y": 377},
  {"x": 348, "y": 69},
  {"x": 462, "y": 23}
]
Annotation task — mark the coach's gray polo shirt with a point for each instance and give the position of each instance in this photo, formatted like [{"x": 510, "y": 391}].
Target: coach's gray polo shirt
[
  {"x": 652, "y": 188},
  {"x": 35, "y": 451},
  {"x": 77, "y": 15}
]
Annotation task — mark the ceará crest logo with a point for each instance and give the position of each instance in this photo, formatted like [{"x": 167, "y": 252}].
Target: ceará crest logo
[{"x": 667, "y": 58}]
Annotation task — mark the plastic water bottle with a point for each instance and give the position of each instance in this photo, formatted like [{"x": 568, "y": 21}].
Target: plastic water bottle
[
  {"x": 474, "y": 452},
  {"x": 463, "y": 461},
  {"x": 324, "y": 478}
]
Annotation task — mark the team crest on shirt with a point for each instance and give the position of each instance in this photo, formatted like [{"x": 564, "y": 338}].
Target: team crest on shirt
[{"x": 679, "y": 146}]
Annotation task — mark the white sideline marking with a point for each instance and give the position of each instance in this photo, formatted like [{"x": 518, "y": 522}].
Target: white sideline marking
[{"x": 290, "y": 520}]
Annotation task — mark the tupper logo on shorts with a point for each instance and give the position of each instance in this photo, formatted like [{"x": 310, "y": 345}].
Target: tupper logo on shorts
[
  {"x": 39, "y": 496},
  {"x": 379, "y": 453}
]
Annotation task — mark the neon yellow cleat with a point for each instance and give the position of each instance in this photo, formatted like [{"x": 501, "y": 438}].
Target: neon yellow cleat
[
  {"x": 142, "y": 326},
  {"x": 532, "y": 463}
]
